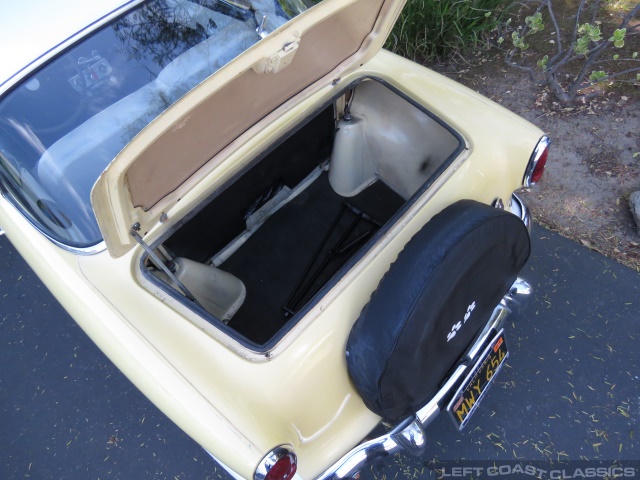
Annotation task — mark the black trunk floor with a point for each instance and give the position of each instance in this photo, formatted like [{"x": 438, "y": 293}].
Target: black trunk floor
[{"x": 273, "y": 262}]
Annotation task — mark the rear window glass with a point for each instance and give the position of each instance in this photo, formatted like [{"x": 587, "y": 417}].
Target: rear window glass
[{"x": 62, "y": 126}]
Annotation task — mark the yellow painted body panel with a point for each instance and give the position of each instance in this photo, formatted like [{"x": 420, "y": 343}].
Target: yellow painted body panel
[{"x": 234, "y": 403}]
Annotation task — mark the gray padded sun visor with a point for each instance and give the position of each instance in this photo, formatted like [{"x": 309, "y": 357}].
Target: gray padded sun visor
[{"x": 432, "y": 303}]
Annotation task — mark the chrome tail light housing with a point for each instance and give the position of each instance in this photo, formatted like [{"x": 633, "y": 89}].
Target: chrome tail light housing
[
  {"x": 537, "y": 162},
  {"x": 281, "y": 463}
]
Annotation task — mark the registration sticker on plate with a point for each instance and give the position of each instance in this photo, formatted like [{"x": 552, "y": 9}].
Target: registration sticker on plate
[{"x": 468, "y": 396}]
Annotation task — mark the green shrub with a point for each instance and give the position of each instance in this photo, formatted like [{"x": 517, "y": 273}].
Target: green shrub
[
  {"x": 427, "y": 29},
  {"x": 589, "y": 45}
]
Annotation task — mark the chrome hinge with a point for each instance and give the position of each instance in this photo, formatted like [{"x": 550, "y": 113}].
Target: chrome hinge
[{"x": 260, "y": 29}]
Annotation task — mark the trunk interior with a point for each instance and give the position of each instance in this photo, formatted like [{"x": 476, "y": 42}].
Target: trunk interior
[{"x": 271, "y": 242}]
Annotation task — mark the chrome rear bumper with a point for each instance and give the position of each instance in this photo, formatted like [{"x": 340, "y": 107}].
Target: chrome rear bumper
[
  {"x": 409, "y": 436},
  {"x": 518, "y": 208}
]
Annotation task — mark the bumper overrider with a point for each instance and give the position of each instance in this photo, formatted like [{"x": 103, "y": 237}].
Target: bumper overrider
[{"x": 409, "y": 435}]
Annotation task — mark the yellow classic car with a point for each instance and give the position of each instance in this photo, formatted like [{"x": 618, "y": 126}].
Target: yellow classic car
[{"x": 286, "y": 237}]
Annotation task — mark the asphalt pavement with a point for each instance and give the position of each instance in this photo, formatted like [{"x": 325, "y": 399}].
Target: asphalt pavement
[
  {"x": 66, "y": 412},
  {"x": 570, "y": 390}
]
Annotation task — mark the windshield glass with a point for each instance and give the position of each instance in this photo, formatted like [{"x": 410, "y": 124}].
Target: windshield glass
[{"x": 61, "y": 127}]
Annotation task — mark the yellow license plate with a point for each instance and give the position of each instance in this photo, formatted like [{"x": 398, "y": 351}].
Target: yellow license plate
[{"x": 468, "y": 396}]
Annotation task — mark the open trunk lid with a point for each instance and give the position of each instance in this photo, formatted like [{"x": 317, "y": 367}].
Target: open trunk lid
[{"x": 315, "y": 48}]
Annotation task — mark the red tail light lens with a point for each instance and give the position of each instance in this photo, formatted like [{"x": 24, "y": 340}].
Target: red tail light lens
[
  {"x": 539, "y": 168},
  {"x": 280, "y": 463},
  {"x": 283, "y": 469},
  {"x": 537, "y": 162}
]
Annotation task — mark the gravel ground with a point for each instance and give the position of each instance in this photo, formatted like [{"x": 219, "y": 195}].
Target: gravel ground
[{"x": 591, "y": 169}]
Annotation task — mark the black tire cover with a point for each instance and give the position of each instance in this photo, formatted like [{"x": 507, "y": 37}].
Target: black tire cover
[{"x": 431, "y": 304}]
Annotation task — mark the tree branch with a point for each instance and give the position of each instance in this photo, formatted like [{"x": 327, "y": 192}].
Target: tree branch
[
  {"x": 560, "y": 93},
  {"x": 596, "y": 52},
  {"x": 624, "y": 72},
  {"x": 609, "y": 77},
  {"x": 587, "y": 55},
  {"x": 617, "y": 60},
  {"x": 594, "y": 11},
  {"x": 530, "y": 71},
  {"x": 559, "y": 49},
  {"x": 525, "y": 30},
  {"x": 562, "y": 57},
  {"x": 574, "y": 36},
  {"x": 629, "y": 16}
]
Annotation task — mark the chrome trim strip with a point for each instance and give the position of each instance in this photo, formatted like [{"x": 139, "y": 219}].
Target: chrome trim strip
[
  {"x": 90, "y": 250},
  {"x": 39, "y": 62},
  {"x": 411, "y": 438},
  {"x": 519, "y": 208},
  {"x": 543, "y": 143},
  {"x": 85, "y": 251},
  {"x": 518, "y": 297}
]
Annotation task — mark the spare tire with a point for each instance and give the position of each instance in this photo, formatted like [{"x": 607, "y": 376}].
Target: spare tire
[{"x": 431, "y": 304}]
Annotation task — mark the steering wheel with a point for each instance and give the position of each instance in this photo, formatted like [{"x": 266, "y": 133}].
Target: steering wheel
[{"x": 71, "y": 101}]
